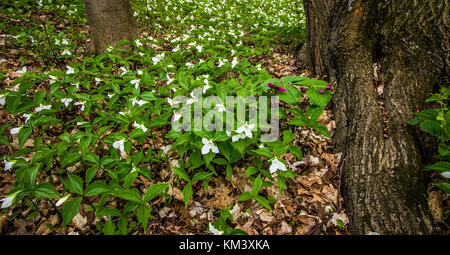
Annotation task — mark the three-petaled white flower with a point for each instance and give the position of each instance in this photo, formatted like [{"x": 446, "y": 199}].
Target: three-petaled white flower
[
  {"x": 176, "y": 116},
  {"x": 220, "y": 107},
  {"x": 53, "y": 79},
  {"x": 7, "y": 201},
  {"x": 66, "y": 53},
  {"x": 138, "y": 43},
  {"x": 43, "y": 107},
  {"x": 277, "y": 165},
  {"x": 26, "y": 116},
  {"x": 70, "y": 70},
  {"x": 22, "y": 71},
  {"x": 63, "y": 199},
  {"x": 80, "y": 103},
  {"x": 8, "y": 164},
  {"x": 124, "y": 71},
  {"x": 208, "y": 146},
  {"x": 14, "y": 131},
  {"x": 234, "y": 62},
  {"x": 66, "y": 101},
  {"x": 2, "y": 99},
  {"x": 169, "y": 80},
  {"x": 214, "y": 230},
  {"x": 140, "y": 102},
  {"x": 199, "y": 48},
  {"x": 119, "y": 145},
  {"x": 247, "y": 129},
  {"x": 135, "y": 83},
  {"x": 137, "y": 125}
]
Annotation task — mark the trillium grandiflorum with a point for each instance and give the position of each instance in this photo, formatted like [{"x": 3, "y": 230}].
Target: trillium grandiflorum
[
  {"x": 63, "y": 199},
  {"x": 234, "y": 62},
  {"x": 135, "y": 83},
  {"x": 169, "y": 80},
  {"x": 220, "y": 107},
  {"x": 277, "y": 165},
  {"x": 214, "y": 230},
  {"x": 14, "y": 131},
  {"x": 139, "y": 102},
  {"x": 119, "y": 145},
  {"x": 2, "y": 99},
  {"x": 136, "y": 125},
  {"x": 8, "y": 199},
  {"x": 26, "y": 116},
  {"x": 247, "y": 129},
  {"x": 446, "y": 174},
  {"x": 42, "y": 107},
  {"x": 70, "y": 70},
  {"x": 82, "y": 105},
  {"x": 66, "y": 101},
  {"x": 8, "y": 164},
  {"x": 208, "y": 146}
]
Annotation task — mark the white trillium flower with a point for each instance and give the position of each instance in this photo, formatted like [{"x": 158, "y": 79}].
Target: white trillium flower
[
  {"x": 53, "y": 79},
  {"x": 66, "y": 53},
  {"x": 70, "y": 70},
  {"x": 124, "y": 71},
  {"x": 7, "y": 201},
  {"x": 446, "y": 174},
  {"x": 234, "y": 62},
  {"x": 97, "y": 81},
  {"x": 237, "y": 137},
  {"x": 2, "y": 99},
  {"x": 208, "y": 146},
  {"x": 110, "y": 95},
  {"x": 277, "y": 165},
  {"x": 172, "y": 103},
  {"x": 80, "y": 123},
  {"x": 169, "y": 80},
  {"x": 176, "y": 116},
  {"x": 261, "y": 146},
  {"x": 22, "y": 71},
  {"x": 135, "y": 83},
  {"x": 42, "y": 107},
  {"x": 80, "y": 103},
  {"x": 133, "y": 170},
  {"x": 8, "y": 164},
  {"x": 247, "y": 129},
  {"x": 136, "y": 125},
  {"x": 214, "y": 230},
  {"x": 26, "y": 116},
  {"x": 139, "y": 72},
  {"x": 199, "y": 48},
  {"x": 63, "y": 199},
  {"x": 65, "y": 42},
  {"x": 66, "y": 101},
  {"x": 119, "y": 145},
  {"x": 140, "y": 102},
  {"x": 138, "y": 43},
  {"x": 220, "y": 107}
]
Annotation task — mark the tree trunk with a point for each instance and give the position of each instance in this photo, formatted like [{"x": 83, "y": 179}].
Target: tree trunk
[
  {"x": 110, "y": 21},
  {"x": 384, "y": 57}
]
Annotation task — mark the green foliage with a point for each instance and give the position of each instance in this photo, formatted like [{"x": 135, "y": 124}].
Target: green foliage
[
  {"x": 436, "y": 122},
  {"x": 86, "y": 119}
]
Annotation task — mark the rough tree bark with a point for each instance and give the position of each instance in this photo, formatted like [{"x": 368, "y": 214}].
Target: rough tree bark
[
  {"x": 385, "y": 57},
  {"x": 110, "y": 21}
]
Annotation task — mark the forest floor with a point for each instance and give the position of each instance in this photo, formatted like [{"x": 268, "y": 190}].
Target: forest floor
[{"x": 47, "y": 38}]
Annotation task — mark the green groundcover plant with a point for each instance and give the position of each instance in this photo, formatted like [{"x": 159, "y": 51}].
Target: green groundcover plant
[{"x": 84, "y": 121}]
